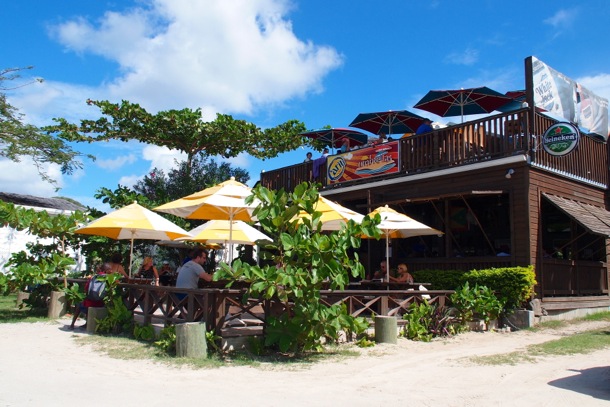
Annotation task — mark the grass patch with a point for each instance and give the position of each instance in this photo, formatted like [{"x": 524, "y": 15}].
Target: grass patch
[
  {"x": 577, "y": 343},
  {"x": 131, "y": 349},
  {"x": 598, "y": 316},
  {"x": 9, "y": 313}
]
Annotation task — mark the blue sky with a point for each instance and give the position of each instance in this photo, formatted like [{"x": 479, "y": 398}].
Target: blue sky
[{"x": 268, "y": 61}]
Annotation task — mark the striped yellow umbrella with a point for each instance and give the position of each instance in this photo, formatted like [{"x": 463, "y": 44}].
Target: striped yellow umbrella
[
  {"x": 334, "y": 216},
  {"x": 225, "y": 201},
  {"x": 133, "y": 222},
  {"x": 398, "y": 225}
]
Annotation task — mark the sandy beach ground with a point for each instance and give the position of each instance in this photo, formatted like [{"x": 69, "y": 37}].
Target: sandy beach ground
[{"x": 42, "y": 364}]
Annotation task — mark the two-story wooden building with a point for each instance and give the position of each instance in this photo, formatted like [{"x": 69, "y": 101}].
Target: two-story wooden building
[{"x": 504, "y": 190}]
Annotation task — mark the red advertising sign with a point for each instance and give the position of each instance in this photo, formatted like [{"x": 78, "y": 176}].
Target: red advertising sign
[{"x": 363, "y": 163}]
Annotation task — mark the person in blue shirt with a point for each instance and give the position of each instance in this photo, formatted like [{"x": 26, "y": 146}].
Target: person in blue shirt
[{"x": 425, "y": 127}]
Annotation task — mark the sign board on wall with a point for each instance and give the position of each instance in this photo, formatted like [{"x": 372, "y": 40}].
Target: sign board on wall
[
  {"x": 563, "y": 97},
  {"x": 560, "y": 139},
  {"x": 363, "y": 163}
]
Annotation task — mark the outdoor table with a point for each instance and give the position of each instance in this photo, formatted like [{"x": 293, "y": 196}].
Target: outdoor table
[{"x": 372, "y": 285}]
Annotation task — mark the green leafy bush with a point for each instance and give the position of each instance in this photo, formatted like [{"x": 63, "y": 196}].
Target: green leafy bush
[
  {"x": 440, "y": 279},
  {"x": 426, "y": 321},
  {"x": 476, "y": 302},
  {"x": 144, "y": 332},
  {"x": 119, "y": 319},
  {"x": 299, "y": 262},
  {"x": 514, "y": 285},
  {"x": 167, "y": 340}
]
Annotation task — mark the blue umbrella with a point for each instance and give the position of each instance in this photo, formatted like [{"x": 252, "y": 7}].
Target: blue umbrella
[
  {"x": 518, "y": 98},
  {"x": 462, "y": 102},
  {"x": 388, "y": 122}
]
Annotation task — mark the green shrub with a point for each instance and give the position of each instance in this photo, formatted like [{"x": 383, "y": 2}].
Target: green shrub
[
  {"x": 476, "y": 302},
  {"x": 440, "y": 279},
  {"x": 513, "y": 285},
  {"x": 144, "y": 332},
  {"x": 167, "y": 340},
  {"x": 426, "y": 321}
]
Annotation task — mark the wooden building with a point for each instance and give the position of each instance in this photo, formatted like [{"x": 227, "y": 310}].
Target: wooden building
[{"x": 499, "y": 195}]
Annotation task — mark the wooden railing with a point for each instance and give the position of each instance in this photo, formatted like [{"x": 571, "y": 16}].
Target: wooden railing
[
  {"x": 490, "y": 138},
  {"x": 218, "y": 307},
  {"x": 574, "y": 277}
]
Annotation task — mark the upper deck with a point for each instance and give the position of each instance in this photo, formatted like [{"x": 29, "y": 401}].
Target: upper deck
[{"x": 485, "y": 140}]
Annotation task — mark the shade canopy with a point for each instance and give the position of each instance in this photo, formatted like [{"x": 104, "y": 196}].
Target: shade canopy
[
  {"x": 334, "y": 216},
  {"x": 133, "y": 222},
  {"x": 336, "y": 136},
  {"x": 219, "y": 231},
  {"x": 388, "y": 122},
  {"x": 460, "y": 102},
  {"x": 224, "y": 201},
  {"x": 398, "y": 225}
]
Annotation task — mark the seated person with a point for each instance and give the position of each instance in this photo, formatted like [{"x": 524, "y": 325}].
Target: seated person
[
  {"x": 381, "y": 273},
  {"x": 166, "y": 274},
  {"x": 402, "y": 275},
  {"x": 148, "y": 270},
  {"x": 190, "y": 273},
  {"x": 83, "y": 307},
  {"x": 425, "y": 127}
]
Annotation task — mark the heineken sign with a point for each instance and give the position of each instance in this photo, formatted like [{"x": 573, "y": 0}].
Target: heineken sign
[{"x": 560, "y": 139}]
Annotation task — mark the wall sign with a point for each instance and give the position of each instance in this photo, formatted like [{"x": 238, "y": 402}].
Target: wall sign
[{"x": 560, "y": 139}]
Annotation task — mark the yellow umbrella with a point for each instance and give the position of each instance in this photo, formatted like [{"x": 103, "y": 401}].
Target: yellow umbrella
[
  {"x": 226, "y": 232},
  {"x": 225, "y": 201},
  {"x": 334, "y": 216},
  {"x": 133, "y": 222},
  {"x": 398, "y": 225}
]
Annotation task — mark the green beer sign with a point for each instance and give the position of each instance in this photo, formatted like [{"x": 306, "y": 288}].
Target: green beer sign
[{"x": 560, "y": 139}]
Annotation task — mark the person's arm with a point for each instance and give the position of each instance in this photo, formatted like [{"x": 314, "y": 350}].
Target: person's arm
[
  {"x": 156, "y": 275},
  {"x": 205, "y": 276},
  {"x": 121, "y": 270}
]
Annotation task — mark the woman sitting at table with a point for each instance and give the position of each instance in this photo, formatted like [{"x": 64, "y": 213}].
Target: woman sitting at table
[
  {"x": 148, "y": 270},
  {"x": 402, "y": 275}
]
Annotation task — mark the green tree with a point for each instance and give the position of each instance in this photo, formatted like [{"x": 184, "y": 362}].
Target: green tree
[
  {"x": 300, "y": 262},
  {"x": 183, "y": 130},
  {"x": 19, "y": 139},
  {"x": 179, "y": 182}
]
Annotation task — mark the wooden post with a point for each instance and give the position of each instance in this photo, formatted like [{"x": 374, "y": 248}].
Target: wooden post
[
  {"x": 191, "y": 341},
  {"x": 93, "y": 314},
  {"x": 21, "y": 295},
  {"x": 58, "y": 305},
  {"x": 386, "y": 329}
]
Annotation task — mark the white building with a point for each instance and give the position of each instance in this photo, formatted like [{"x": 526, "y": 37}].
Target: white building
[{"x": 12, "y": 240}]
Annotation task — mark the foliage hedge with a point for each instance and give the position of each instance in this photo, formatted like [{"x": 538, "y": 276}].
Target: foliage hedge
[{"x": 513, "y": 284}]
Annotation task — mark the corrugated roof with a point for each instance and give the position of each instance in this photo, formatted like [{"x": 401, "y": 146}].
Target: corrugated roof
[
  {"x": 593, "y": 218},
  {"x": 36, "y": 201}
]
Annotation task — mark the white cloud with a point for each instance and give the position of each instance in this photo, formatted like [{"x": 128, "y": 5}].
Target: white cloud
[
  {"x": 130, "y": 180},
  {"x": 242, "y": 160},
  {"x": 468, "y": 57},
  {"x": 561, "y": 18},
  {"x": 203, "y": 54},
  {"x": 114, "y": 164},
  {"x": 162, "y": 157},
  {"x": 23, "y": 177},
  {"x": 598, "y": 84}
]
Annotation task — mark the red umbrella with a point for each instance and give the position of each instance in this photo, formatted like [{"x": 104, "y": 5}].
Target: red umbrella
[
  {"x": 388, "y": 122},
  {"x": 334, "y": 137},
  {"x": 462, "y": 101}
]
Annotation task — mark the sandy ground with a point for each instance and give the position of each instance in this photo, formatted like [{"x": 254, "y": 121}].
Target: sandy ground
[{"x": 42, "y": 364}]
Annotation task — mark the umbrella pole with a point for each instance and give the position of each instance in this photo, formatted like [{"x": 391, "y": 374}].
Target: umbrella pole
[
  {"x": 131, "y": 256},
  {"x": 231, "y": 237},
  {"x": 387, "y": 258}
]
